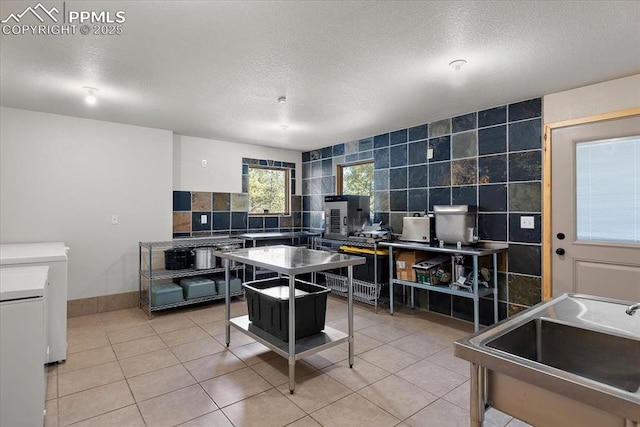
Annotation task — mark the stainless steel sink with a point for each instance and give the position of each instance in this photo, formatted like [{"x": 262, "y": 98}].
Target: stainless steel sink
[
  {"x": 602, "y": 357},
  {"x": 577, "y": 354}
]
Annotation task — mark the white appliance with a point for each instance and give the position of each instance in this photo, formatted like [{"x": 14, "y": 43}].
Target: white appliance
[
  {"x": 54, "y": 255},
  {"x": 23, "y": 376}
]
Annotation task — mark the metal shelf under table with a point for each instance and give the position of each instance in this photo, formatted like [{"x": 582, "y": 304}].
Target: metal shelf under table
[
  {"x": 304, "y": 346},
  {"x": 291, "y": 261},
  {"x": 473, "y": 251}
]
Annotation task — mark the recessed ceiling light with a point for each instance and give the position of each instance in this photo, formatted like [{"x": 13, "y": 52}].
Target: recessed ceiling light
[
  {"x": 457, "y": 64},
  {"x": 284, "y": 127},
  {"x": 282, "y": 100},
  {"x": 90, "y": 97}
]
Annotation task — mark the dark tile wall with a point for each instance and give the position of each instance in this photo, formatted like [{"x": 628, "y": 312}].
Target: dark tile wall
[
  {"x": 491, "y": 159},
  {"x": 227, "y": 213}
]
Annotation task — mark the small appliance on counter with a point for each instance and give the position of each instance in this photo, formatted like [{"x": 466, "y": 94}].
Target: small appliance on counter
[
  {"x": 371, "y": 233},
  {"x": 345, "y": 215},
  {"x": 417, "y": 229},
  {"x": 455, "y": 224}
]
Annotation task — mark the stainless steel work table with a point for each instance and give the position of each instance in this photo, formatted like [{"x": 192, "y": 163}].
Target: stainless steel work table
[
  {"x": 473, "y": 251},
  {"x": 291, "y": 261},
  {"x": 294, "y": 236}
]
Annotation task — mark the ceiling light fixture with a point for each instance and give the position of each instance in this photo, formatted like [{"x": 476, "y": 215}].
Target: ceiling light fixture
[
  {"x": 90, "y": 98},
  {"x": 282, "y": 100},
  {"x": 457, "y": 64}
]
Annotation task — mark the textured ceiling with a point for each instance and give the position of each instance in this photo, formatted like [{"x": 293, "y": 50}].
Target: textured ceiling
[{"x": 348, "y": 69}]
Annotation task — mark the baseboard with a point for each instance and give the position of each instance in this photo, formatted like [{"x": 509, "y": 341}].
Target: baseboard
[{"x": 100, "y": 304}]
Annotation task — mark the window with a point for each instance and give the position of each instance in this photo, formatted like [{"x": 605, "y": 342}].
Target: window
[
  {"x": 357, "y": 179},
  {"x": 608, "y": 190},
  {"x": 268, "y": 190}
]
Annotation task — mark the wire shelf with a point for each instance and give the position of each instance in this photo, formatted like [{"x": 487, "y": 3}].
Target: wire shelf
[
  {"x": 362, "y": 291},
  {"x": 192, "y": 242},
  {"x": 145, "y": 301},
  {"x": 356, "y": 243},
  {"x": 186, "y": 272}
]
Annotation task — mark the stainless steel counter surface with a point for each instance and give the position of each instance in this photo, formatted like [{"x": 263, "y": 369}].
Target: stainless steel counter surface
[
  {"x": 478, "y": 250},
  {"x": 291, "y": 260},
  {"x": 276, "y": 235},
  {"x": 586, "y": 372}
]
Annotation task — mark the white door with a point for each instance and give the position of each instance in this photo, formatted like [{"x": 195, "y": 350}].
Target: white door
[{"x": 595, "y": 203}]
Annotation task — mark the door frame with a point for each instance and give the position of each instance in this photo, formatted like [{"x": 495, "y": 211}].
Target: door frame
[{"x": 546, "y": 185}]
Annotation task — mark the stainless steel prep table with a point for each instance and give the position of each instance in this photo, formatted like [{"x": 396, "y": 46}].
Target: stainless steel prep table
[
  {"x": 290, "y": 261},
  {"x": 294, "y": 236},
  {"x": 473, "y": 251}
]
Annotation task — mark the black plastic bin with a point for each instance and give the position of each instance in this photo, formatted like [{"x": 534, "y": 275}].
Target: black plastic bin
[{"x": 268, "y": 306}]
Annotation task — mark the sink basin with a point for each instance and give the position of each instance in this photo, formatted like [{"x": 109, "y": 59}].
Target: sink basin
[
  {"x": 602, "y": 357},
  {"x": 577, "y": 355}
]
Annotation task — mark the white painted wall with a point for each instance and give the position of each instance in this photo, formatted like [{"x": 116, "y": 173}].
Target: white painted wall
[
  {"x": 223, "y": 173},
  {"x": 586, "y": 101},
  {"x": 61, "y": 179}
]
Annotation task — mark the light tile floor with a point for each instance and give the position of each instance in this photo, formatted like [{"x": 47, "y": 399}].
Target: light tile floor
[{"x": 126, "y": 370}]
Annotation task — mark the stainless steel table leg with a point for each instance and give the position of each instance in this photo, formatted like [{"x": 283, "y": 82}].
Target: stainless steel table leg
[
  {"x": 227, "y": 303},
  {"x": 350, "y": 314},
  {"x": 292, "y": 375},
  {"x": 477, "y": 395},
  {"x": 476, "y": 299},
  {"x": 495, "y": 288},
  {"x": 413, "y": 301},
  {"x": 292, "y": 333},
  {"x": 391, "y": 281}
]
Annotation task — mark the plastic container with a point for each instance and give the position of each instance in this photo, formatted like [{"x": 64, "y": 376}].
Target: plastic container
[
  {"x": 166, "y": 293},
  {"x": 268, "y": 306},
  {"x": 235, "y": 285},
  {"x": 197, "y": 287}
]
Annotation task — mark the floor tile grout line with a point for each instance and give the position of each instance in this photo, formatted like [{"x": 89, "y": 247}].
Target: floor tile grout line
[{"x": 388, "y": 321}]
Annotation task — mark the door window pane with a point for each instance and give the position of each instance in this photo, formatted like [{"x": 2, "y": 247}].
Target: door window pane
[{"x": 608, "y": 190}]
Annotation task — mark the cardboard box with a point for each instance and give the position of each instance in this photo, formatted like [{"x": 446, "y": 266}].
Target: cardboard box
[
  {"x": 404, "y": 264},
  {"x": 434, "y": 271}
]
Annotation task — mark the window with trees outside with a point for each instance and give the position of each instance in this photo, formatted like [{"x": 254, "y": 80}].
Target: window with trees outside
[
  {"x": 268, "y": 190},
  {"x": 357, "y": 179}
]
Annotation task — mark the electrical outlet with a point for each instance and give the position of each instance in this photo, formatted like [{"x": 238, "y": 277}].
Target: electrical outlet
[
  {"x": 429, "y": 153},
  {"x": 527, "y": 222},
  {"x": 115, "y": 220},
  {"x": 203, "y": 219}
]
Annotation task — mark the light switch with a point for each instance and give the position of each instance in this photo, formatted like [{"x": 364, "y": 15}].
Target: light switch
[
  {"x": 204, "y": 163},
  {"x": 527, "y": 222},
  {"x": 429, "y": 153},
  {"x": 203, "y": 219}
]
